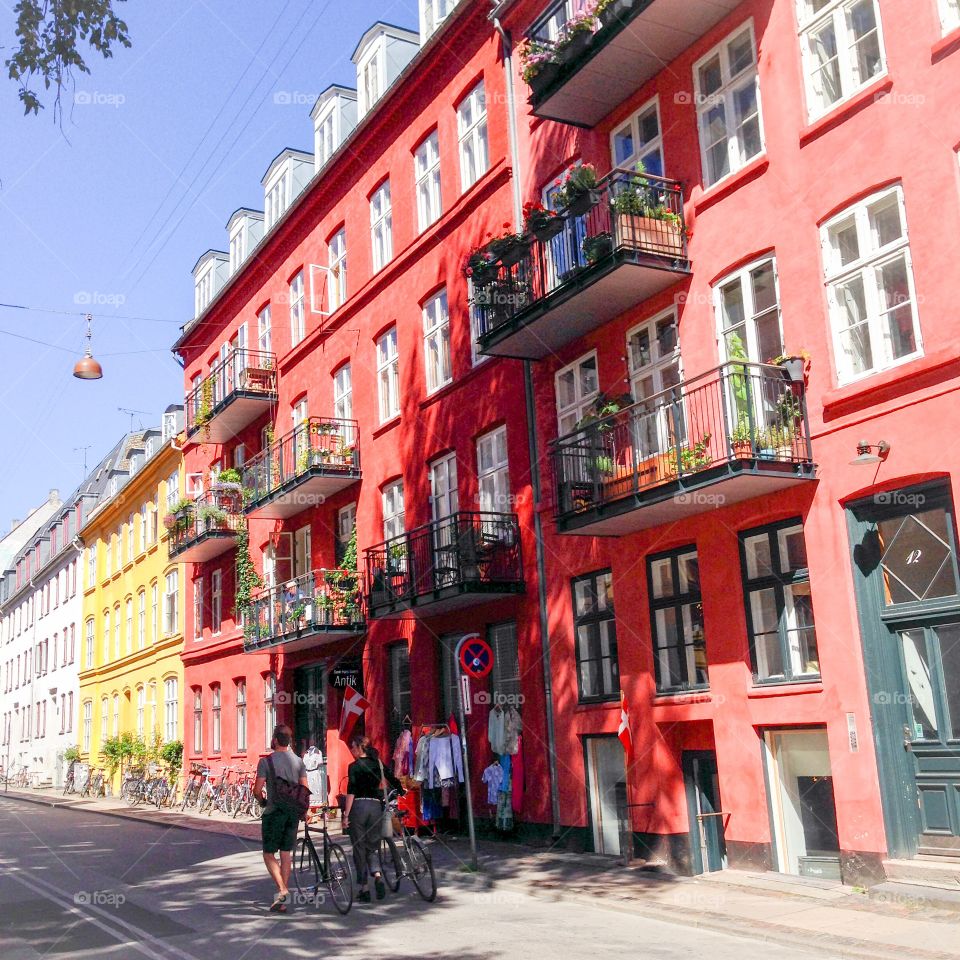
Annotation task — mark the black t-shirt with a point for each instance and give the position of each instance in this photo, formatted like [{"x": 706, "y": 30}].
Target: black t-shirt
[{"x": 363, "y": 779}]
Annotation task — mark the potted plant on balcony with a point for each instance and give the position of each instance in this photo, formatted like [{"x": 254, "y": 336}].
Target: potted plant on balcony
[
  {"x": 793, "y": 364},
  {"x": 324, "y": 609},
  {"x": 613, "y": 11},
  {"x": 576, "y": 34},
  {"x": 692, "y": 457},
  {"x": 539, "y": 64},
  {"x": 509, "y": 247},
  {"x": 481, "y": 266},
  {"x": 544, "y": 224},
  {"x": 597, "y": 247},
  {"x": 212, "y": 517},
  {"x": 183, "y": 512},
  {"x": 577, "y": 189},
  {"x": 643, "y": 221},
  {"x": 741, "y": 440}
]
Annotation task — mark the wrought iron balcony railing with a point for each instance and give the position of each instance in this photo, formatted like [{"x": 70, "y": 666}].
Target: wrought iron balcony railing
[
  {"x": 615, "y": 246},
  {"x": 237, "y": 390},
  {"x": 445, "y": 563},
  {"x": 207, "y": 526},
  {"x": 581, "y": 65},
  {"x": 745, "y": 423},
  {"x": 317, "y": 458},
  {"x": 322, "y": 603}
]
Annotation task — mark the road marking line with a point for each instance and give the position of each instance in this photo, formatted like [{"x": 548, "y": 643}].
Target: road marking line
[{"x": 64, "y": 899}]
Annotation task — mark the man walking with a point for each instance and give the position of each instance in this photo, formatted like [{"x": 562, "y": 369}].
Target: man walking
[{"x": 280, "y": 823}]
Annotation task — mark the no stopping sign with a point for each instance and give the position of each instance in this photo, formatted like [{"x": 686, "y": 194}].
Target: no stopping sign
[{"x": 476, "y": 658}]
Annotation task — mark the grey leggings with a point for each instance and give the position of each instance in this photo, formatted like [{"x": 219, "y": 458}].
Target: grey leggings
[{"x": 366, "y": 816}]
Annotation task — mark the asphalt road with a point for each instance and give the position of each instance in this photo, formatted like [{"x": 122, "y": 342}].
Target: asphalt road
[{"x": 79, "y": 884}]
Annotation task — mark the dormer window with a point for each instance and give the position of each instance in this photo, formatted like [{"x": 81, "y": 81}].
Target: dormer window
[
  {"x": 276, "y": 201},
  {"x": 334, "y": 116},
  {"x": 369, "y": 81},
  {"x": 380, "y": 57},
  {"x": 325, "y": 138},
  {"x": 169, "y": 427},
  {"x": 245, "y": 230},
  {"x": 289, "y": 173},
  {"x": 238, "y": 250},
  {"x": 432, "y": 14},
  {"x": 209, "y": 275}
]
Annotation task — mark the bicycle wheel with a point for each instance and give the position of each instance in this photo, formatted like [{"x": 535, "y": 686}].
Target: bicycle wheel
[
  {"x": 338, "y": 878},
  {"x": 204, "y": 801},
  {"x": 421, "y": 870},
  {"x": 189, "y": 796},
  {"x": 390, "y": 865},
  {"x": 306, "y": 871}
]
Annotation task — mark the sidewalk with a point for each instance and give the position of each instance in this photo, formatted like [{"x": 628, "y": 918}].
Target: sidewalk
[{"x": 839, "y": 921}]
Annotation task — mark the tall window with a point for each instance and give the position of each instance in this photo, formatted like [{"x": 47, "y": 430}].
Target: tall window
[
  {"x": 748, "y": 313},
  {"x": 128, "y": 638},
  {"x": 638, "y": 141},
  {"x": 116, "y": 715},
  {"x": 264, "y": 331},
  {"x": 173, "y": 491},
  {"x": 269, "y": 707},
  {"x": 141, "y": 620},
  {"x": 171, "y": 709},
  {"x": 783, "y": 642},
  {"x": 388, "y": 375},
  {"x": 398, "y": 687},
  {"x": 106, "y": 636},
  {"x": 91, "y": 564},
  {"x": 393, "y": 524},
  {"x": 343, "y": 400},
  {"x": 426, "y": 169},
  {"x": 141, "y": 709},
  {"x": 241, "y": 716},
  {"x": 493, "y": 471},
  {"x": 595, "y": 629},
  {"x": 216, "y": 600},
  {"x": 108, "y": 552},
  {"x": 577, "y": 388},
  {"x": 298, "y": 328},
  {"x": 505, "y": 676},
  {"x": 653, "y": 362},
  {"x": 472, "y": 130},
  {"x": 337, "y": 260},
  {"x": 346, "y": 521},
  {"x": 131, "y": 551},
  {"x": 381, "y": 226},
  {"x": 170, "y": 612},
  {"x": 215, "y": 718},
  {"x": 444, "y": 501},
  {"x": 155, "y": 611},
  {"x": 436, "y": 342},
  {"x": 117, "y": 647},
  {"x": 198, "y": 608},
  {"x": 842, "y": 49},
  {"x": 679, "y": 646},
  {"x": 197, "y": 720},
  {"x": 88, "y": 652},
  {"x": 870, "y": 292},
  {"x": 142, "y": 529},
  {"x": 87, "y": 724},
  {"x": 728, "y": 106}
]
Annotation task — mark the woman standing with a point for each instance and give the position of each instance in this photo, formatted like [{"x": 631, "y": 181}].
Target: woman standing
[{"x": 363, "y": 812}]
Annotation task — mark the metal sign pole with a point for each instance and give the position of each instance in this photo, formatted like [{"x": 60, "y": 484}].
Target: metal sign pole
[{"x": 463, "y": 743}]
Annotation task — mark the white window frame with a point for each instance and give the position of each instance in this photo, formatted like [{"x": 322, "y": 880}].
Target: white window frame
[
  {"x": 91, "y": 631},
  {"x": 216, "y": 601},
  {"x": 444, "y": 495},
  {"x": 426, "y": 174},
  {"x": 866, "y": 266},
  {"x": 298, "y": 321},
  {"x": 472, "y": 135},
  {"x": 240, "y": 690},
  {"x": 171, "y": 709},
  {"x": 216, "y": 718},
  {"x": 87, "y": 725},
  {"x": 393, "y": 509},
  {"x": 949, "y": 15},
  {"x": 264, "y": 331},
  {"x": 743, "y": 275},
  {"x": 142, "y": 620},
  {"x": 493, "y": 472},
  {"x": 343, "y": 392},
  {"x": 729, "y": 85},
  {"x": 388, "y": 375},
  {"x": 198, "y": 608},
  {"x": 578, "y": 408},
  {"x": 171, "y": 617},
  {"x": 381, "y": 226},
  {"x": 269, "y": 707},
  {"x": 370, "y": 84},
  {"x": 436, "y": 342},
  {"x": 632, "y": 127},
  {"x": 835, "y": 13},
  {"x": 337, "y": 264}
]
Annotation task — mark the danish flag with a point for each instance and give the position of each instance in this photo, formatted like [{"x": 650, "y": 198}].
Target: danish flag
[
  {"x": 353, "y": 707},
  {"x": 626, "y": 737}
]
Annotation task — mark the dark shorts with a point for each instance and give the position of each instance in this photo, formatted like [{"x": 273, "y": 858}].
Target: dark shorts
[{"x": 279, "y": 831}]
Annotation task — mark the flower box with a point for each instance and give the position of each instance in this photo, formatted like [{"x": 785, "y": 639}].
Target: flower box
[{"x": 651, "y": 235}]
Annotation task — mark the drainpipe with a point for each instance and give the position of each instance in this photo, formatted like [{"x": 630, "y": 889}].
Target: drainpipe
[{"x": 532, "y": 442}]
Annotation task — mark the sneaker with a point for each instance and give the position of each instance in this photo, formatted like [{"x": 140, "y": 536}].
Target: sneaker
[
  {"x": 363, "y": 896},
  {"x": 381, "y": 887}
]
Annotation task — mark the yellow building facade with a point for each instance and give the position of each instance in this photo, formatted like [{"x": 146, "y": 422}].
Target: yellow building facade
[{"x": 131, "y": 674}]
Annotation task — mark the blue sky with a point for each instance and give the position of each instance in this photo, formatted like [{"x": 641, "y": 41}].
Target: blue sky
[{"x": 159, "y": 146}]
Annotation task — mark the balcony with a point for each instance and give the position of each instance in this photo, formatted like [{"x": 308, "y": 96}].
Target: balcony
[
  {"x": 624, "y": 242},
  {"x": 300, "y": 470},
  {"x": 737, "y": 432},
  {"x": 239, "y": 389},
  {"x": 584, "y": 76},
  {"x": 321, "y": 606},
  {"x": 463, "y": 559},
  {"x": 204, "y": 528}
]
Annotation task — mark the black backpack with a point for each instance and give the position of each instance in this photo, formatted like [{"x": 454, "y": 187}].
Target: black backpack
[{"x": 294, "y": 798}]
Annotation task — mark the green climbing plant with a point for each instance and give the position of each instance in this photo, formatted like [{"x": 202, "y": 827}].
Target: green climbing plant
[{"x": 248, "y": 579}]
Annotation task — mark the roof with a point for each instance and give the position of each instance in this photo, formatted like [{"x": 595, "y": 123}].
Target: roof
[
  {"x": 221, "y": 254},
  {"x": 335, "y": 89},
  {"x": 284, "y": 154},
  {"x": 244, "y": 212},
  {"x": 381, "y": 26}
]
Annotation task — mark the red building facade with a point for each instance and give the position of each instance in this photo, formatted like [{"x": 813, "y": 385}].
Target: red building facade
[{"x": 761, "y": 557}]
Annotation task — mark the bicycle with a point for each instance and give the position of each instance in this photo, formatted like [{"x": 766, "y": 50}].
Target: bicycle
[
  {"x": 415, "y": 862},
  {"x": 94, "y": 786},
  {"x": 69, "y": 783},
  {"x": 199, "y": 777},
  {"x": 309, "y": 871},
  {"x": 244, "y": 800}
]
